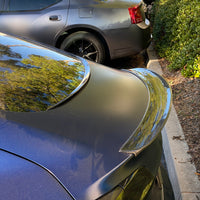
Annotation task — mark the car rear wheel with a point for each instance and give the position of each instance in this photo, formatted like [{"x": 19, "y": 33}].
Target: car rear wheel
[{"x": 86, "y": 45}]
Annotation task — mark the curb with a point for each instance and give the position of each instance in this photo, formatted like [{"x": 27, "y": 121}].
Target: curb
[{"x": 182, "y": 173}]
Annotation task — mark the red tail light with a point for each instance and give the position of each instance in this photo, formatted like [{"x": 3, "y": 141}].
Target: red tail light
[{"x": 135, "y": 14}]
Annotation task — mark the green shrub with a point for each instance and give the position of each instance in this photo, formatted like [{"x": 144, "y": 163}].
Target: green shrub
[
  {"x": 176, "y": 31},
  {"x": 192, "y": 70}
]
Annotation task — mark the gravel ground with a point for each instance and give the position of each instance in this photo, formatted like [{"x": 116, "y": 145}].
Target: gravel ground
[{"x": 186, "y": 99}]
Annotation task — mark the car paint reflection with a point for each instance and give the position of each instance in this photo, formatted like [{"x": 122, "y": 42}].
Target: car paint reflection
[
  {"x": 156, "y": 114},
  {"x": 45, "y": 79}
]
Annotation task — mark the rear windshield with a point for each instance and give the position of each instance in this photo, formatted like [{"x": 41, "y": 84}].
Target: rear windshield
[{"x": 33, "y": 78}]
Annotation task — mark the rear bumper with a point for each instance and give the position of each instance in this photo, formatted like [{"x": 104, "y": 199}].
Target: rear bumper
[{"x": 136, "y": 38}]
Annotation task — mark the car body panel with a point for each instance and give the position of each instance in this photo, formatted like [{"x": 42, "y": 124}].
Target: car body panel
[
  {"x": 78, "y": 140},
  {"x": 112, "y": 20},
  {"x": 104, "y": 107},
  {"x": 108, "y": 20},
  {"x": 63, "y": 133},
  {"x": 19, "y": 176},
  {"x": 36, "y": 24}
]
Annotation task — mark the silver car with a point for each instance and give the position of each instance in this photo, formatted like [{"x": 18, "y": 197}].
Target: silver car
[{"x": 94, "y": 29}]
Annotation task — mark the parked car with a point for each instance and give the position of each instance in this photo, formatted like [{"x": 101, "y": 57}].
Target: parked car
[
  {"x": 94, "y": 29},
  {"x": 75, "y": 129}
]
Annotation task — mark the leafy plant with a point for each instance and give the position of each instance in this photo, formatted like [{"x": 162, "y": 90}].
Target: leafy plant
[
  {"x": 176, "y": 28},
  {"x": 192, "y": 70}
]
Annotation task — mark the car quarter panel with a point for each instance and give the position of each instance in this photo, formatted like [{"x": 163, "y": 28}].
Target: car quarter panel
[
  {"x": 21, "y": 179},
  {"x": 111, "y": 19}
]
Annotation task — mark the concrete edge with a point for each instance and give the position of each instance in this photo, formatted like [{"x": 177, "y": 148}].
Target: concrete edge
[{"x": 182, "y": 172}]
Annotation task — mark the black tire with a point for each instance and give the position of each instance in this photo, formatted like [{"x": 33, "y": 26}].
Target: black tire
[{"x": 86, "y": 45}]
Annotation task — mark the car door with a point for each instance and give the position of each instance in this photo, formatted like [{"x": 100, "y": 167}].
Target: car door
[{"x": 41, "y": 20}]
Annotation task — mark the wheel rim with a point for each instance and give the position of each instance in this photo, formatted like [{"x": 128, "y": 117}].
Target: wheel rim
[{"x": 83, "y": 48}]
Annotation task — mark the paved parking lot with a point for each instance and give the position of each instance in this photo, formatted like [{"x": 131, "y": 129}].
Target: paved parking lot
[{"x": 139, "y": 60}]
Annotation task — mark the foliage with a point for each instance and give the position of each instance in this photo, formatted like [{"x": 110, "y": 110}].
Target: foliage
[
  {"x": 192, "y": 70},
  {"x": 176, "y": 33}
]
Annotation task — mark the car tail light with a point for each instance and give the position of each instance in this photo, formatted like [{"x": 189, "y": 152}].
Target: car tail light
[{"x": 135, "y": 14}]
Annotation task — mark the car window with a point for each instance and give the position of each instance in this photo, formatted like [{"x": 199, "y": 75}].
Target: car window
[
  {"x": 33, "y": 78},
  {"x": 23, "y": 5}
]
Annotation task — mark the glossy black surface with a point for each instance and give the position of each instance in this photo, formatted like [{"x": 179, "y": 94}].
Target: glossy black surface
[
  {"x": 33, "y": 79},
  {"x": 78, "y": 141},
  {"x": 156, "y": 113}
]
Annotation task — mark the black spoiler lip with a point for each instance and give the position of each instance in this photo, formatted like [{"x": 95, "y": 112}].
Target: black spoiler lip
[{"x": 156, "y": 114}]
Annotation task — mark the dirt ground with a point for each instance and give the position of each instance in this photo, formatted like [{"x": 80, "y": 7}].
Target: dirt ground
[{"x": 186, "y": 99}]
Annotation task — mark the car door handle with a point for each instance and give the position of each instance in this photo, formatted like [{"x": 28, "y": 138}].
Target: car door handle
[{"x": 55, "y": 17}]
